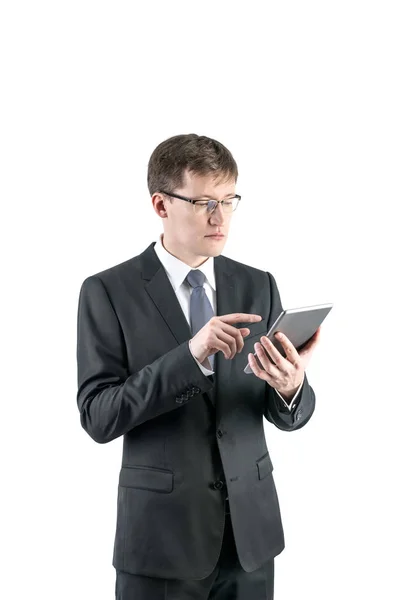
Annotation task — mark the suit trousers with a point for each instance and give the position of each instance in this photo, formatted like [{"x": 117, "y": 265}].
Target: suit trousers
[{"x": 228, "y": 581}]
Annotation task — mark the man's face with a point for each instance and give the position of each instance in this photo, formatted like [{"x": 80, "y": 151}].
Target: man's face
[{"x": 187, "y": 233}]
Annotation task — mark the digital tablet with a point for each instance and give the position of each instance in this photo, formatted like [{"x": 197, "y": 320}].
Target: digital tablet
[{"x": 298, "y": 324}]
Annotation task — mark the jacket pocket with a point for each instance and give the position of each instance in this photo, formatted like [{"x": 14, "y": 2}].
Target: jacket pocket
[
  {"x": 146, "y": 478},
  {"x": 264, "y": 466}
]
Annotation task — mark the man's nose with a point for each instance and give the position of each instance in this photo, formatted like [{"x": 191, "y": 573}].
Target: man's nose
[{"x": 218, "y": 215}]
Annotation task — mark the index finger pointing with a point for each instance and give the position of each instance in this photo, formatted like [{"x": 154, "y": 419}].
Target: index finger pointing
[
  {"x": 248, "y": 318},
  {"x": 244, "y": 318},
  {"x": 234, "y": 318}
]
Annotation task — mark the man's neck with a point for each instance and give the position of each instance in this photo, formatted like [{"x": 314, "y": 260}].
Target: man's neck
[{"x": 194, "y": 261}]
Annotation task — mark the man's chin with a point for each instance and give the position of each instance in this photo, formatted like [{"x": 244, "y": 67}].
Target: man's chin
[{"x": 214, "y": 247}]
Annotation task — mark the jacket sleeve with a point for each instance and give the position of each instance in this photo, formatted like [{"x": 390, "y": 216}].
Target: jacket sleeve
[
  {"x": 110, "y": 400},
  {"x": 303, "y": 407}
]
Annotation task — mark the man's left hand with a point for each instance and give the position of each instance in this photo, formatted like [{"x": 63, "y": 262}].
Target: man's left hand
[{"x": 287, "y": 374}]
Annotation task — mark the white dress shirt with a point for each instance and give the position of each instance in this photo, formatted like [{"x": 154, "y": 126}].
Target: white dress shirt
[{"x": 177, "y": 271}]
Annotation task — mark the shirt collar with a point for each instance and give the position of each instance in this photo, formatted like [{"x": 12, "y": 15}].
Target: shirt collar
[{"x": 177, "y": 270}]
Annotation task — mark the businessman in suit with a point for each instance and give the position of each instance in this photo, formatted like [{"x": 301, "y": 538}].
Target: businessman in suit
[{"x": 162, "y": 342}]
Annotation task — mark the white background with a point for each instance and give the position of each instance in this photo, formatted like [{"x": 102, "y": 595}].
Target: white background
[{"x": 306, "y": 97}]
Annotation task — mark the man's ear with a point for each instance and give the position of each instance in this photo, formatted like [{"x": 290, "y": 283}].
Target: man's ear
[
  {"x": 161, "y": 207},
  {"x": 163, "y": 210}
]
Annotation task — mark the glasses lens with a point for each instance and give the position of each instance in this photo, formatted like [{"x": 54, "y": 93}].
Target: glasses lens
[
  {"x": 208, "y": 206},
  {"x": 230, "y": 204}
]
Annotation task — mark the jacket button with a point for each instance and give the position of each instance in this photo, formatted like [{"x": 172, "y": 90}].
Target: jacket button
[
  {"x": 220, "y": 433},
  {"x": 218, "y": 485},
  {"x": 299, "y": 415}
]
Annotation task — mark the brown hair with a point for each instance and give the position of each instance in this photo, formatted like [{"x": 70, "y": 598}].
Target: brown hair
[{"x": 197, "y": 153}]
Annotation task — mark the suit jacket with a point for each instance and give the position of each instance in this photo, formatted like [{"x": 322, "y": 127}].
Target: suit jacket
[{"x": 189, "y": 439}]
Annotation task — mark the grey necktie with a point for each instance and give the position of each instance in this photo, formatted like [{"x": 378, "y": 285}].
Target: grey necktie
[{"x": 201, "y": 310}]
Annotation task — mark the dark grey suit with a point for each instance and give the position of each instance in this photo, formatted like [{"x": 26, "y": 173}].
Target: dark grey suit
[{"x": 186, "y": 436}]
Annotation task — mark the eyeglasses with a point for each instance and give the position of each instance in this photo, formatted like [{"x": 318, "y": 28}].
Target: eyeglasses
[{"x": 208, "y": 206}]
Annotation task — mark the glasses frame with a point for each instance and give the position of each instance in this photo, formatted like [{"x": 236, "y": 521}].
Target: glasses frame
[{"x": 202, "y": 200}]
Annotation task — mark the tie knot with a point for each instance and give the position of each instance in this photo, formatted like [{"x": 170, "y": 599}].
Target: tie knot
[{"x": 196, "y": 278}]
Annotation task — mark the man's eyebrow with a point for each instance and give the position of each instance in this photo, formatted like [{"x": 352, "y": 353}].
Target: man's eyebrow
[{"x": 211, "y": 198}]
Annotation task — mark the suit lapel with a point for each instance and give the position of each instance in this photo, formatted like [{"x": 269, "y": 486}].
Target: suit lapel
[{"x": 163, "y": 295}]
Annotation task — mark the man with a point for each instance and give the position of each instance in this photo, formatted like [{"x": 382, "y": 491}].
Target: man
[{"x": 163, "y": 339}]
